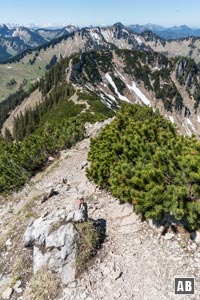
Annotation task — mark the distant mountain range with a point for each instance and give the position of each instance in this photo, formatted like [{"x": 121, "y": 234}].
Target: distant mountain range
[
  {"x": 115, "y": 54},
  {"x": 15, "y": 39},
  {"x": 175, "y": 32}
]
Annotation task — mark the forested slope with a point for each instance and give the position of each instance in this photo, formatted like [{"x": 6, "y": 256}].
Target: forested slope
[{"x": 55, "y": 124}]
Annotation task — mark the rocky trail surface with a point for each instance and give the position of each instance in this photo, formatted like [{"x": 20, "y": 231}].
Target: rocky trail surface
[{"x": 135, "y": 262}]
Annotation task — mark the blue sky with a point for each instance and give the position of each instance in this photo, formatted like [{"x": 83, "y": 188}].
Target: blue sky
[{"x": 98, "y": 12}]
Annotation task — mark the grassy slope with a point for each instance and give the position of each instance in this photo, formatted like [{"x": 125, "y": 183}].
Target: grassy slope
[{"x": 24, "y": 70}]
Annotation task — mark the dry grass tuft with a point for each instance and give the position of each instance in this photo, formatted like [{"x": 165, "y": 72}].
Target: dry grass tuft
[
  {"x": 43, "y": 286},
  {"x": 88, "y": 243}
]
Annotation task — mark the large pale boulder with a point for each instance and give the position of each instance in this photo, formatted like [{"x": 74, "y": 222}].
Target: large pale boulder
[
  {"x": 40, "y": 258},
  {"x": 38, "y": 230},
  {"x": 54, "y": 245},
  {"x": 76, "y": 216},
  {"x": 92, "y": 130},
  {"x": 7, "y": 294}
]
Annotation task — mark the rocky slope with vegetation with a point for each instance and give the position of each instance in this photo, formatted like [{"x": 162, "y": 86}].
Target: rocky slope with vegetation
[
  {"x": 139, "y": 161},
  {"x": 31, "y": 64},
  {"x": 15, "y": 40},
  {"x": 135, "y": 260},
  {"x": 171, "y": 85}
]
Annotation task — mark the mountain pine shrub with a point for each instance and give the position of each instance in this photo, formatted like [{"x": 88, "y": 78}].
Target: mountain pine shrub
[{"x": 140, "y": 158}]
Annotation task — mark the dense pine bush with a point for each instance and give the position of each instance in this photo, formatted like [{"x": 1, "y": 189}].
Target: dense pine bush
[{"x": 140, "y": 158}]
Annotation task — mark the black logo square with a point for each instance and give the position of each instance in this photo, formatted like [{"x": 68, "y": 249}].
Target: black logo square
[{"x": 184, "y": 286}]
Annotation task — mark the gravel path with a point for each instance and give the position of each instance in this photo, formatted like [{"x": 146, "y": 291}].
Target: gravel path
[{"x": 135, "y": 262}]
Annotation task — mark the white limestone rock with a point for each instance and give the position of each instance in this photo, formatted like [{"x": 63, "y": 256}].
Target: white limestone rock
[
  {"x": 54, "y": 245},
  {"x": 7, "y": 294}
]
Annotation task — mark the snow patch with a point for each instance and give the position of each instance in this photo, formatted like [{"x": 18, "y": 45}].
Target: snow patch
[
  {"x": 109, "y": 78},
  {"x": 106, "y": 101},
  {"x": 111, "y": 97},
  {"x": 120, "y": 74},
  {"x": 89, "y": 88},
  {"x": 124, "y": 30},
  {"x": 95, "y": 36},
  {"x": 198, "y": 119},
  {"x": 108, "y": 95},
  {"x": 138, "y": 39},
  {"x": 138, "y": 92},
  {"x": 106, "y": 34},
  {"x": 171, "y": 119},
  {"x": 190, "y": 123},
  {"x": 185, "y": 125},
  {"x": 156, "y": 69}
]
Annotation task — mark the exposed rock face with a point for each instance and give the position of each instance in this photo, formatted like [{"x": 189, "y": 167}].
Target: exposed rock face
[
  {"x": 92, "y": 130},
  {"x": 76, "y": 216},
  {"x": 181, "y": 67},
  {"x": 54, "y": 245},
  {"x": 37, "y": 231},
  {"x": 7, "y": 294},
  {"x": 174, "y": 92}
]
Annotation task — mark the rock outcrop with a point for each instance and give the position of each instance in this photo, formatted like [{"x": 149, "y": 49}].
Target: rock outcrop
[
  {"x": 92, "y": 130},
  {"x": 54, "y": 241}
]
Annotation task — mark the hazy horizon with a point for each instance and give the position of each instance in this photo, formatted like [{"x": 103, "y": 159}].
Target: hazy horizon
[
  {"x": 57, "y": 25},
  {"x": 88, "y": 12}
]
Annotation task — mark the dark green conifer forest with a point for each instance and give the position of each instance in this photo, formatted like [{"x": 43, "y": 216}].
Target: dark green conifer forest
[{"x": 55, "y": 124}]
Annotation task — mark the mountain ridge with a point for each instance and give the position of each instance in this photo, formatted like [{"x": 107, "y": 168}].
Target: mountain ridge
[
  {"x": 118, "y": 37},
  {"x": 169, "y": 33},
  {"x": 30, "y": 37},
  {"x": 85, "y": 79},
  {"x": 170, "y": 85}
]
